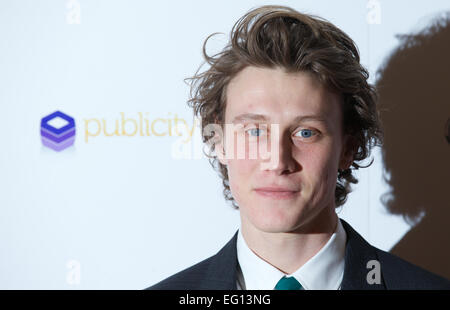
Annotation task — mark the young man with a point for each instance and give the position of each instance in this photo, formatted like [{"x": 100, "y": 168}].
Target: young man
[{"x": 291, "y": 84}]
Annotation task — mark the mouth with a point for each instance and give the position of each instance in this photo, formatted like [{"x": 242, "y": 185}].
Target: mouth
[{"x": 276, "y": 193}]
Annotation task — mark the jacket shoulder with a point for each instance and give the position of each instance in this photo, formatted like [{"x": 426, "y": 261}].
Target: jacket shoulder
[
  {"x": 401, "y": 274},
  {"x": 216, "y": 272},
  {"x": 187, "y": 279},
  {"x": 396, "y": 273}
]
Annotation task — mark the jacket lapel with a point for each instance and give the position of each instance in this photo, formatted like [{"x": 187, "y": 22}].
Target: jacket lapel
[
  {"x": 357, "y": 254},
  {"x": 221, "y": 273}
]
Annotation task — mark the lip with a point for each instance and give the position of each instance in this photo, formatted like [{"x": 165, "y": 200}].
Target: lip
[{"x": 276, "y": 192}]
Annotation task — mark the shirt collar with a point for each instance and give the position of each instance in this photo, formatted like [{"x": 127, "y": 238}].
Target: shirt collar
[
  {"x": 324, "y": 271},
  {"x": 257, "y": 273}
]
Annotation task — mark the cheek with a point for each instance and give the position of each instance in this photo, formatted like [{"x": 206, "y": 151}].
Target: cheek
[
  {"x": 320, "y": 170},
  {"x": 239, "y": 176}
]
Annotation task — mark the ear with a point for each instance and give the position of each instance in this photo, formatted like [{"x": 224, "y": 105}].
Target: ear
[{"x": 348, "y": 152}]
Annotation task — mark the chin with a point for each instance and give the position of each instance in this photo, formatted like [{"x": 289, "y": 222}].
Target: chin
[
  {"x": 280, "y": 227},
  {"x": 276, "y": 219}
]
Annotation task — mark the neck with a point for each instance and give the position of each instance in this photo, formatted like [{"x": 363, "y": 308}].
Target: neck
[{"x": 288, "y": 251}]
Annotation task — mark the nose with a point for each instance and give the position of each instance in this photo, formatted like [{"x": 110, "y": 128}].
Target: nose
[{"x": 281, "y": 157}]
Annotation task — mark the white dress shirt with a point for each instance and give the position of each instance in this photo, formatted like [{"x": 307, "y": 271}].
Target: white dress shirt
[{"x": 324, "y": 271}]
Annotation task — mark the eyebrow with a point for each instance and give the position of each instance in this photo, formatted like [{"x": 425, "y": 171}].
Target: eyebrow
[{"x": 262, "y": 117}]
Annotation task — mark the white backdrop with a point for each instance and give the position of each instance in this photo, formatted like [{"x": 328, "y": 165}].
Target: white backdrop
[{"x": 124, "y": 212}]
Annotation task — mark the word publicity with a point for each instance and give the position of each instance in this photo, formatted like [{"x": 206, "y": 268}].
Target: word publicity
[{"x": 138, "y": 126}]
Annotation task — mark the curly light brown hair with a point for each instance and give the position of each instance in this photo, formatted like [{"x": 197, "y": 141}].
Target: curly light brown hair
[{"x": 279, "y": 36}]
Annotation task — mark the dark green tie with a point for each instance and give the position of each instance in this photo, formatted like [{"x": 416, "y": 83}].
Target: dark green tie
[{"x": 288, "y": 283}]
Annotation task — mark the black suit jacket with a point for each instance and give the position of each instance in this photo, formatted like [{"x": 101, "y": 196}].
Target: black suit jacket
[{"x": 219, "y": 272}]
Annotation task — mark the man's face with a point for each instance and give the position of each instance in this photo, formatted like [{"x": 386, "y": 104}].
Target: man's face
[{"x": 310, "y": 148}]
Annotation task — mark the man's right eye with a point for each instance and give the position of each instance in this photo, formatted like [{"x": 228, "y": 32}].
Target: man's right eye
[{"x": 255, "y": 132}]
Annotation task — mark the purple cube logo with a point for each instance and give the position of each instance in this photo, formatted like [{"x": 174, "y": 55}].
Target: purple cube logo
[{"x": 58, "y": 131}]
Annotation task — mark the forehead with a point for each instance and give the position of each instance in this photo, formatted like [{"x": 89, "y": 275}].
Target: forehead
[{"x": 279, "y": 95}]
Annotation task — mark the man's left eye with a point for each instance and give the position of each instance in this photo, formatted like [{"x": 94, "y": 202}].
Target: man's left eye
[{"x": 306, "y": 133}]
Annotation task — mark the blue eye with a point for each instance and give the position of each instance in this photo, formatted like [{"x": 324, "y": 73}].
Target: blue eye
[
  {"x": 306, "y": 133},
  {"x": 255, "y": 132}
]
